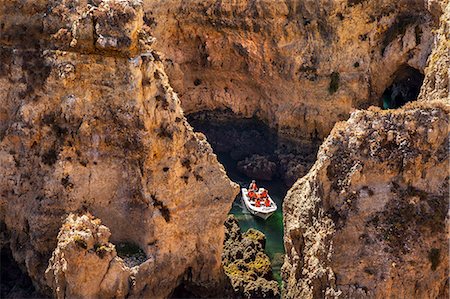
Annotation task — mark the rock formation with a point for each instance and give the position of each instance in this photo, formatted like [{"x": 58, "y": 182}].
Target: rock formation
[
  {"x": 253, "y": 148},
  {"x": 245, "y": 263},
  {"x": 85, "y": 264},
  {"x": 436, "y": 84},
  {"x": 369, "y": 219},
  {"x": 89, "y": 123},
  {"x": 97, "y": 158},
  {"x": 298, "y": 65}
]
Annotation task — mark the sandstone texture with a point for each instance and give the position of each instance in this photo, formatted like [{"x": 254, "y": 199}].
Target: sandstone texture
[
  {"x": 436, "y": 84},
  {"x": 301, "y": 65},
  {"x": 370, "y": 218},
  {"x": 246, "y": 264},
  {"x": 85, "y": 264},
  {"x": 89, "y": 123}
]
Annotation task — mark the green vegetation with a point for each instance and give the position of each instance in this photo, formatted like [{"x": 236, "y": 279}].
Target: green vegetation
[
  {"x": 334, "y": 82},
  {"x": 261, "y": 265},
  {"x": 102, "y": 250},
  {"x": 255, "y": 235}
]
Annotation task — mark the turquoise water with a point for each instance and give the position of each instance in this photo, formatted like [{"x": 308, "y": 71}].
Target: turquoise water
[{"x": 273, "y": 226}]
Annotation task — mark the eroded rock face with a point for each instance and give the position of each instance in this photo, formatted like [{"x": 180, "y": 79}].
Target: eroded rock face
[
  {"x": 85, "y": 264},
  {"x": 90, "y": 123},
  {"x": 436, "y": 84},
  {"x": 298, "y": 65},
  {"x": 370, "y": 218},
  {"x": 246, "y": 264}
]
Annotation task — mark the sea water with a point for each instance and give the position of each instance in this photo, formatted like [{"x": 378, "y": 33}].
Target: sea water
[{"x": 273, "y": 226}]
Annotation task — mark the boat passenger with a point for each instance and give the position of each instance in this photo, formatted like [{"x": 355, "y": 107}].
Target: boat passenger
[
  {"x": 264, "y": 194},
  {"x": 252, "y": 195},
  {"x": 258, "y": 203},
  {"x": 267, "y": 202},
  {"x": 253, "y": 186}
]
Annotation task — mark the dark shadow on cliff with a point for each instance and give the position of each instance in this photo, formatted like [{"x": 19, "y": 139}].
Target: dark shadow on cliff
[
  {"x": 14, "y": 283},
  {"x": 248, "y": 146}
]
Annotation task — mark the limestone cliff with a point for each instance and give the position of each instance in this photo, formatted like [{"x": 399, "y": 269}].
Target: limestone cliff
[
  {"x": 299, "y": 65},
  {"x": 436, "y": 84},
  {"x": 89, "y": 123},
  {"x": 369, "y": 219}
]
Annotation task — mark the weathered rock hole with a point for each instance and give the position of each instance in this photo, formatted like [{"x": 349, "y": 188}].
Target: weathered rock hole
[
  {"x": 197, "y": 82},
  {"x": 131, "y": 253},
  {"x": 405, "y": 88}
]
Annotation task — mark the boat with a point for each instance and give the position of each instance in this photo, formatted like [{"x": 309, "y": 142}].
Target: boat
[{"x": 262, "y": 211}]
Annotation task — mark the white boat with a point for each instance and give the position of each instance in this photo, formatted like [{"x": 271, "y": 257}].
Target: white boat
[{"x": 262, "y": 211}]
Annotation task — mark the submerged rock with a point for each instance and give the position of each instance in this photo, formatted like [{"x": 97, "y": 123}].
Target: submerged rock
[{"x": 246, "y": 265}]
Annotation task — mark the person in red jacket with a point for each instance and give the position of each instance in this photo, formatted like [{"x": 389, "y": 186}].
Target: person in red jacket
[
  {"x": 253, "y": 186},
  {"x": 252, "y": 195},
  {"x": 264, "y": 194}
]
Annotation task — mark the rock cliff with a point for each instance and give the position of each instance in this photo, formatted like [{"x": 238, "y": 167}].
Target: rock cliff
[
  {"x": 369, "y": 219},
  {"x": 436, "y": 84},
  {"x": 89, "y": 123},
  {"x": 298, "y": 65}
]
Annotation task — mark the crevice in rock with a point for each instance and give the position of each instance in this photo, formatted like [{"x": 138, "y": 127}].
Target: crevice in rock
[
  {"x": 405, "y": 87},
  {"x": 131, "y": 253}
]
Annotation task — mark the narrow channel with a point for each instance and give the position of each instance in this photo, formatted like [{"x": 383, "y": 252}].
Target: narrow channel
[
  {"x": 249, "y": 149},
  {"x": 272, "y": 227}
]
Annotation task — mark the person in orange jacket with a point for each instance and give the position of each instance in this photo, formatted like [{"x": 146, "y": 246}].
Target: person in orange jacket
[
  {"x": 265, "y": 196},
  {"x": 252, "y": 195},
  {"x": 253, "y": 186}
]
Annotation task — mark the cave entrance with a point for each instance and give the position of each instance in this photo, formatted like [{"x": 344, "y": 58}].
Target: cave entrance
[
  {"x": 405, "y": 87},
  {"x": 249, "y": 149}
]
